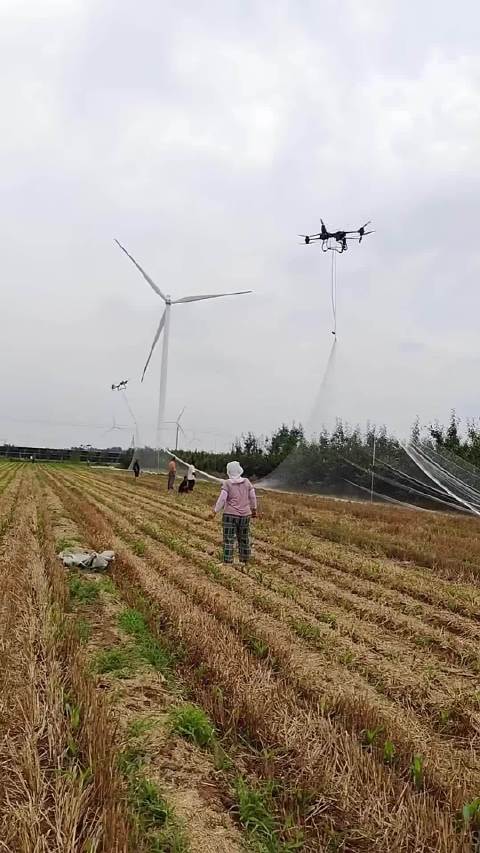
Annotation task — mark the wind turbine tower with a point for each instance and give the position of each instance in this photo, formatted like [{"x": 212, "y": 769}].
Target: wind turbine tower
[{"x": 164, "y": 326}]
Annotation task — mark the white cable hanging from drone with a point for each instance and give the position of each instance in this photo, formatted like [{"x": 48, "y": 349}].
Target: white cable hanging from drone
[
  {"x": 122, "y": 388},
  {"x": 337, "y": 243},
  {"x": 334, "y": 292}
]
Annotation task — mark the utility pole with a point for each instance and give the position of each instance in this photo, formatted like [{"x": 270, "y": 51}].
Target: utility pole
[{"x": 373, "y": 466}]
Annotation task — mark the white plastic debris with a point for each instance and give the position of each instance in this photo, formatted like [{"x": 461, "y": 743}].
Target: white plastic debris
[{"x": 87, "y": 559}]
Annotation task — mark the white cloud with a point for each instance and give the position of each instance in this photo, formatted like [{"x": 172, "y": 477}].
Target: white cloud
[{"x": 206, "y": 143}]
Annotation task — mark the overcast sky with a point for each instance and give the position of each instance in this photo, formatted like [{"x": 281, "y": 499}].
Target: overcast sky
[{"x": 206, "y": 136}]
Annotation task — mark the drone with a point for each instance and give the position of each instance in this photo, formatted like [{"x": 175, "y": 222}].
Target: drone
[
  {"x": 336, "y": 241},
  {"x": 121, "y": 385}
]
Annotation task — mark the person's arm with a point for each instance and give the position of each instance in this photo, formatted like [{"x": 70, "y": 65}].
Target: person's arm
[
  {"x": 222, "y": 499},
  {"x": 252, "y": 496}
]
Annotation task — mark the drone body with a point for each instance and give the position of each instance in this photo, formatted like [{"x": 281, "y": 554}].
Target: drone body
[
  {"x": 336, "y": 241},
  {"x": 121, "y": 385}
]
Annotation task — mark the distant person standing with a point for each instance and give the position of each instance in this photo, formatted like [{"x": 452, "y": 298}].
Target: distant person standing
[
  {"x": 172, "y": 473},
  {"x": 191, "y": 477},
  {"x": 136, "y": 469},
  {"x": 183, "y": 487},
  {"x": 238, "y": 501}
]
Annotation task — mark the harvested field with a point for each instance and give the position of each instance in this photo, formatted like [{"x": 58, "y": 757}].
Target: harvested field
[{"x": 325, "y": 697}]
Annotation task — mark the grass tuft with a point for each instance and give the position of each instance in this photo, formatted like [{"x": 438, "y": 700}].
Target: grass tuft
[
  {"x": 149, "y": 648},
  {"x": 120, "y": 661},
  {"x": 83, "y": 630},
  {"x": 65, "y": 544},
  {"x": 192, "y": 723},
  {"x": 258, "y": 647},
  {"x": 138, "y": 547},
  {"x": 82, "y": 591},
  {"x": 416, "y": 770},
  {"x": 255, "y": 815},
  {"x": 309, "y": 632},
  {"x": 140, "y": 726}
]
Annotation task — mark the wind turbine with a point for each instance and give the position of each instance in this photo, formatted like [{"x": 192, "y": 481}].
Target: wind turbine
[
  {"x": 179, "y": 428},
  {"x": 164, "y": 326},
  {"x": 114, "y": 427}
]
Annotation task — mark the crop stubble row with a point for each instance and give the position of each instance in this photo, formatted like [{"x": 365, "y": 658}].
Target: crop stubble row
[{"x": 149, "y": 576}]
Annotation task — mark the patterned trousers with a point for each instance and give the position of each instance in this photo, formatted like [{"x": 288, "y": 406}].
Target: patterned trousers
[{"x": 236, "y": 527}]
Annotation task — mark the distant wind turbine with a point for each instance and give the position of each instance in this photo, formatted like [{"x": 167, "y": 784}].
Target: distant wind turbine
[
  {"x": 164, "y": 326},
  {"x": 179, "y": 428}
]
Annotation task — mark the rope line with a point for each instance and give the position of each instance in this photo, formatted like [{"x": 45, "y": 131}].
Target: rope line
[{"x": 333, "y": 290}]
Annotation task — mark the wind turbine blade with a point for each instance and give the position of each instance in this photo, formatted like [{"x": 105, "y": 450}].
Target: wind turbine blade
[
  {"x": 209, "y": 296},
  {"x": 180, "y": 415},
  {"x": 146, "y": 277},
  {"x": 155, "y": 340}
]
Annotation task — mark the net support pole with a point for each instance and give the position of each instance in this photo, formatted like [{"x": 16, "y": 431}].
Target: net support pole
[{"x": 373, "y": 467}]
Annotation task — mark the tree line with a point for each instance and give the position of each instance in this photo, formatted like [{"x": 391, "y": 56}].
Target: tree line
[{"x": 341, "y": 461}]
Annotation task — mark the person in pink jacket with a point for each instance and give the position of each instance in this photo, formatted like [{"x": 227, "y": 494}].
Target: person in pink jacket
[{"x": 238, "y": 501}]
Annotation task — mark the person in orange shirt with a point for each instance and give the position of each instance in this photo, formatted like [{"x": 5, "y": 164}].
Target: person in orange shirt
[{"x": 172, "y": 473}]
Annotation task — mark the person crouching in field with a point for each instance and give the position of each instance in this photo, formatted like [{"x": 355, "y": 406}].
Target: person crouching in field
[
  {"x": 238, "y": 501},
  {"x": 183, "y": 487},
  {"x": 191, "y": 476}
]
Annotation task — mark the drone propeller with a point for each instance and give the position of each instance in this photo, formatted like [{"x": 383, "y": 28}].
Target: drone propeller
[{"x": 362, "y": 231}]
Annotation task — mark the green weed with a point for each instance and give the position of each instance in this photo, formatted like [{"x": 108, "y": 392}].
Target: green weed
[
  {"x": 416, "y": 770},
  {"x": 150, "y": 804},
  {"x": 369, "y": 736},
  {"x": 254, "y": 811},
  {"x": 107, "y": 585},
  {"x": 424, "y": 641},
  {"x": 307, "y": 630},
  {"x": 140, "y": 726},
  {"x": 221, "y": 759},
  {"x": 258, "y": 647},
  {"x": 192, "y": 723},
  {"x": 471, "y": 814},
  {"x": 82, "y": 591},
  {"x": 83, "y": 630},
  {"x": 138, "y": 547},
  {"x": 131, "y": 759},
  {"x": 287, "y": 590},
  {"x": 149, "y": 648},
  {"x": 389, "y": 752},
  {"x": 72, "y": 712},
  {"x": 73, "y": 748},
  {"x": 336, "y": 842},
  {"x": 132, "y": 622},
  {"x": 328, "y": 619},
  {"x": 171, "y": 839},
  {"x": 444, "y": 717},
  {"x": 213, "y": 570},
  {"x": 156, "y": 819},
  {"x": 120, "y": 660},
  {"x": 65, "y": 544}
]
